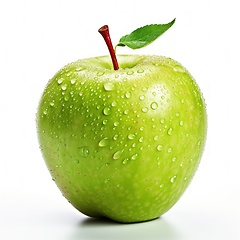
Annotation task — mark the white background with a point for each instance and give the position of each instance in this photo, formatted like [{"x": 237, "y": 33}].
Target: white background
[{"x": 38, "y": 37}]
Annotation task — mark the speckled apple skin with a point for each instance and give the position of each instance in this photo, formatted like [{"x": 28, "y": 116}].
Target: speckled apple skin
[{"x": 122, "y": 144}]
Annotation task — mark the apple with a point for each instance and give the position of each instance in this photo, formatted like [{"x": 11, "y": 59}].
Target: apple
[{"x": 122, "y": 144}]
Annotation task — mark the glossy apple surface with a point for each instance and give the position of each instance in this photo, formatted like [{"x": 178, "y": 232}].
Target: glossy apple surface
[{"x": 122, "y": 144}]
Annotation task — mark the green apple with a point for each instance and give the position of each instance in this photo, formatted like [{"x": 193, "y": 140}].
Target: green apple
[{"x": 122, "y": 144}]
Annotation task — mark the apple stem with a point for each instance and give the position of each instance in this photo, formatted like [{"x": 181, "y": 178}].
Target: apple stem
[{"x": 104, "y": 31}]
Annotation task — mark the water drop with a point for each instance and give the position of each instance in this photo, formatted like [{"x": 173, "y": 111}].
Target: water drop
[
  {"x": 142, "y": 97},
  {"x": 104, "y": 142},
  {"x": 144, "y": 89},
  {"x": 131, "y": 136},
  {"x": 182, "y": 101},
  {"x": 126, "y": 112},
  {"x": 172, "y": 179},
  {"x": 104, "y": 121},
  {"x": 114, "y": 103},
  {"x": 130, "y": 73},
  {"x": 45, "y": 112},
  {"x": 117, "y": 154},
  {"x": 155, "y": 138},
  {"x": 145, "y": 109},
  {"x": 84, "y": 151},
  {"x": 162, "y": 121},
  {"x": 125, "y": 161},
  {"x": 159, "y": 147},
  {"x": 174, "y": 159},
  {"x": 60, "y": 80},
  {"x": 116, "y": 124},
  {"x": 73, "y": 81},
  {"x": 140, "y": 139},
  {"x": 169, "y": 132},
  {"x": 169, "y": 150},
  {"x": 64, "y": 87},
  {"x": 140, "y": 71},
  {"x": 115, "y": 137},
  {"x": 154, "y": 105},
  {"x": 109, "y": 86},
  {"x": 134, "y": 157},
  {"x": 100, "y": 73},
  {"x": 107, "y": 111},
  {"x": 181, "y": 123},
  {"x": 127, "y": 94},
  {"x": 178, "y": 68},
  {"x": 78, "y": 69}
]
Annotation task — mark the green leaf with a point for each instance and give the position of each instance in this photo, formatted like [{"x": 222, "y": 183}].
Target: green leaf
[{"x": 143, "y": 36}]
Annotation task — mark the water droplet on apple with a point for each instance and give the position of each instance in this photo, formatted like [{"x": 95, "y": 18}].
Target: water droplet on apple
[
  {"x": 182, "y": 101},
  {"x": 159, "y": 147},
  {"x": 131, "y": 136},
  {"x": 109, "y": 86},
  {"x": 51, "y": 104},
  {"x": 140, "y": 71},
  {"x": 162, "y": 185},
  {"x": 104, "y": 121},
  {"x": 178, "y": 68},
  {"x": 169, "y": 150},
  {"x": 174, "y": 159},
  {"x": 140, "y": 139},
  {"x": 154, "y": 105},
  {"x": 104, "y": 142},
  {"x": 115, "y": 124},
  {"x": 60, "y": 80},
  {"x": 78, "y": 69},
  {"x": 73, "y": 81},
  {"x": 145, "y": 109},
  {"x": 64, "y": 87},
  {"x": 107, "y": 111},
  {"x": 130, "y": 73},
  {"x": 127, "y": 94},
  {"x": 162, "y": 121},
  {"x": 144, "y": 89},
  {"x": 100, "y": 73},
  {"x": 134, "y": 157},
  {"x": 83, "y": 151},
  {"x": 181, "y": 123},
  {"x": 114, "y": 103},
  {"x": 115, "y": 137},
  {"x": 126, "y": 111},
  {"x": 45, "y": 112},
  {"x": 156, "y": 137},
  {"x": 169, "y": 132},
  {"x": 117, "y": 154},
  {"x": 172, "y": 179},
  {"x": 125, "y": 161},
  {"x": 142, "y": 97}
]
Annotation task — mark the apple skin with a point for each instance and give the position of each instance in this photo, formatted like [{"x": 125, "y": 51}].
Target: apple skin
[{"x": 122, "y": 144}]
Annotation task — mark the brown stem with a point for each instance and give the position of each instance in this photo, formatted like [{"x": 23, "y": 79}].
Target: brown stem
[{"x": 104, "y": 31}]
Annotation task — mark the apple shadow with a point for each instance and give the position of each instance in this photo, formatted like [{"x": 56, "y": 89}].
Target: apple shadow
[{"x": 91, "y": 229}]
